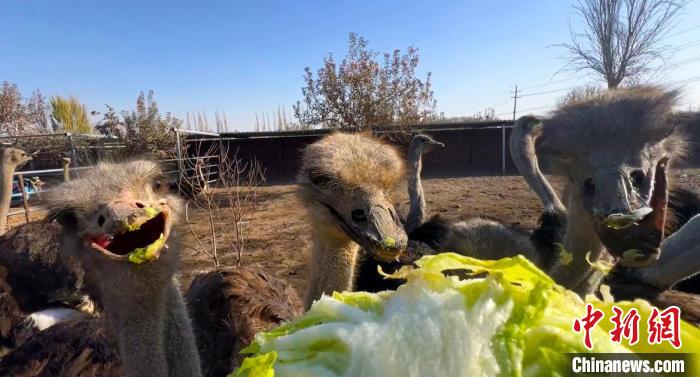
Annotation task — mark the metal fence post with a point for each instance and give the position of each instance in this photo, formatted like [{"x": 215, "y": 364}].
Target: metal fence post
[
  {"x": 25, "y": 204},
  {"x": 178, "y": 152},
  {"x": 72, "y": 148},
  {"x": 66, "y": 169}
]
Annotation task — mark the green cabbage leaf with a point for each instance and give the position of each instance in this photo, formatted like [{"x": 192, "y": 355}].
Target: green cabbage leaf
[{"x": 455, "y": 316}]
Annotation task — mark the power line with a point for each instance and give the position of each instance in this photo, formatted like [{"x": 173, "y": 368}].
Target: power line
[
  {"x": 572, "y": 77},
  {"x": 688, "y": 45},
  {"x": 493, "y": 97},
  {"x": 684, "y": 81},
  {"x": 683, "y": 31},
  {"x": 526, "y": 110},
  {"x": 550, "y": 91}
]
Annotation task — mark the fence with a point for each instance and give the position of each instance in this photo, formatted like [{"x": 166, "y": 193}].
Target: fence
[
  {"x": 95, "y": 149},
  {"x": 83, "y": 150},
  {"x": 471, "y": 149}
]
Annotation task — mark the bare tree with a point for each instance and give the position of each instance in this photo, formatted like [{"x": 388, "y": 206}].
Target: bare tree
[
  {"x": 240, "y": 181},
  {"x": 226, "y": 190},
  {"x": 622, "y": 38}
]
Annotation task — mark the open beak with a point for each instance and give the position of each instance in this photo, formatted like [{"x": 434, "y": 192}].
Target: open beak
[
  {"x": 136, "y": 242},
  {"x": 636, "y": 237}
]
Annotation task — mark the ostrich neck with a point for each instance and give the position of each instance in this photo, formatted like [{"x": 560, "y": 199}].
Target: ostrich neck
[
  {"x": 416, "y": 213},
  {"x": 6, "y": 176},
  {"x": 525, "y": 158},
  {"x": 333, "y": 261},
  {"x": 139, "y": 325},
  {"x": 146, "y": 312},
  {"x": 580, "y": 239}
]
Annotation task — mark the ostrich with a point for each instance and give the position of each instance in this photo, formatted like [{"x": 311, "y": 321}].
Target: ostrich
[
  {"x": 347, "y": 182},
  {"x": 419, "y": 145},
  {"x": 339, "y": 168},
  {"x": 118, "y": 223},
  {"x": 11, "y": 159},
  {"x": 227, "y": 305},
  {"x": 367, "y": 278},
  {"x": 649, "y": 283},
  {"x": 616, "y": 193}
]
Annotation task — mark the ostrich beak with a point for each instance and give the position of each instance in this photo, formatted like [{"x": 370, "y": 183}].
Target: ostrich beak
[
  {"x": 637, "y": 239},
  {"x": 434, "y": 142},
  {"x": 136, "y": 237},
  {"x": 381, "y": 235},
  {"x": 384, "y": 237}
]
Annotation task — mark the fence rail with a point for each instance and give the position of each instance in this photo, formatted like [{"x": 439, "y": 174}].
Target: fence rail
[{"x": 182, "y": 170}]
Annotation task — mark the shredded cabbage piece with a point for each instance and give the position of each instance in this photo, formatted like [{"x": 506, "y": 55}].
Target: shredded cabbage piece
[{"x": 455, "y": 316}]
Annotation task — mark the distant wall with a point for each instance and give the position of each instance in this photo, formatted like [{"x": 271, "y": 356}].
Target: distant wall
[{"x": 471, "y": 149}]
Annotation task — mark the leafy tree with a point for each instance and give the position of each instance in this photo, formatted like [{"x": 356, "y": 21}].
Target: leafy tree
[
  {"x": 36, "y": 111},
  {"x": 362, "y": 93},
  {"x": 17, "y": 116},
  {"x": 622, "y": 38},
  {"x": 69, "y": 115},
  {"x": 143, "y": 130}
]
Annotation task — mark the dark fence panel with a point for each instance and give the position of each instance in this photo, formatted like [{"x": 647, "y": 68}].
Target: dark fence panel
[
  {"x": 280, "y": 157},
  {"x": 471, "y": 149}
]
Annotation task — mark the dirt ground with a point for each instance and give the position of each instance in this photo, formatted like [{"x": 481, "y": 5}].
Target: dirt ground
[{"x": 280, "y": 242}]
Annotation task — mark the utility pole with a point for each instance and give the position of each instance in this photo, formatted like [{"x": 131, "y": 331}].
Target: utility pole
[{"x": 503, "y": 129}]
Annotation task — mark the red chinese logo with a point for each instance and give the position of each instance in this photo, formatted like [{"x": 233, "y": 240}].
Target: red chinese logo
[
  {"x": 625, "y": 327},
  {"x": 665, "y": 325},
  {"x": 592, "y": 317}
]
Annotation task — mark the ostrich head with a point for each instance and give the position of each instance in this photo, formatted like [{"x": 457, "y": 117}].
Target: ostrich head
[
  {"x": 14, "y": 157},
  {"x": 119, "y": 213},
  {"x": 348, "y": 182},
  {"x": 422, "y": 143},
  {"x": 614, "y": 150}
]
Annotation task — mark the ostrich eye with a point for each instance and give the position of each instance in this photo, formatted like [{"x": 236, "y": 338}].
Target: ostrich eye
[
  {"x": 588, "y": 187},
  {"x": 319, "y": 179},
  {"x": 157, "y": 184},
  {"x": 67, "y": 218},
  {"x": 637, "y": 177},
  {"x": 358, "y": 215}
]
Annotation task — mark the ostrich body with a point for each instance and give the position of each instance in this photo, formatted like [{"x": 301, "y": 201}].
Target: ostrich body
[
  {"x": 229, "y": 306},
  {"x": 347, "y": 182}
]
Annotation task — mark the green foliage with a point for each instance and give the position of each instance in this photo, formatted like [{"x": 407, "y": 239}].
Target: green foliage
[
  {"x": 362, "y": 93},
  {"x": 143, "y": 130},
  {"x": 19, "y": 116},
  {"x": 69, "y": 115}
]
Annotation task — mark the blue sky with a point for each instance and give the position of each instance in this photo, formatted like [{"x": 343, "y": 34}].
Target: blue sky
[{"x": 246, "y": 57}]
